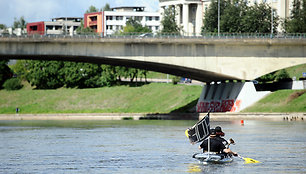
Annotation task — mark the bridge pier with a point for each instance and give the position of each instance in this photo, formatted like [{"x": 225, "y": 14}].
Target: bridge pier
[{"x": 228, "y": 97}]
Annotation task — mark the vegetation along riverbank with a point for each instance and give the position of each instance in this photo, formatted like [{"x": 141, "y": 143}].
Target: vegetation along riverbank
[{"x": 147, "y": 98}]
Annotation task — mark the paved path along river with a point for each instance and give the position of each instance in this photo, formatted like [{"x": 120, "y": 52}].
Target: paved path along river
[{"x": 145, "y": 146}]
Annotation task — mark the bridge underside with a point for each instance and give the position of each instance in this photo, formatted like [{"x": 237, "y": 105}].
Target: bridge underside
[
  {"x": 201, "y": 75},
  {"x": 200, "y": 59}
]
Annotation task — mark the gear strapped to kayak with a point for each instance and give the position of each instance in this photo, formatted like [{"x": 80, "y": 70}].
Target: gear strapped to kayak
[{"x": 199, "y": 132}]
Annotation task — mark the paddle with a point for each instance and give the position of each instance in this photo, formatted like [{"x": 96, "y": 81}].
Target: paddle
[{"x": 248, "y": 160}]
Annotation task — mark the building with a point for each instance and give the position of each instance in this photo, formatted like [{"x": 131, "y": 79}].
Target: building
[
  {"x": 190, "y": 13},
  {"x": 109, "y": 22},
  {"x": 62, "y": 25}
]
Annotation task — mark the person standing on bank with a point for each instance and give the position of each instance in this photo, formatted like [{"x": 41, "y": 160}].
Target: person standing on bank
[{"x": 216, "y": 146}]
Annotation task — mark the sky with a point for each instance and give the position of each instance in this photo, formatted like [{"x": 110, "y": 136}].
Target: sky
[{"x": 44, "y": 10}]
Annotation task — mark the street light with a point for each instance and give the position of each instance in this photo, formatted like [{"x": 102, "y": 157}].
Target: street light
[
  {"x": 271, "y": 20},
  {"x": 218, "y": 18}
]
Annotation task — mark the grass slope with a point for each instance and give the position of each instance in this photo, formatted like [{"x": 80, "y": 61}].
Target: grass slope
[
  {"x": 281, "y": 101},
  {"x": 150, "y": 98}
]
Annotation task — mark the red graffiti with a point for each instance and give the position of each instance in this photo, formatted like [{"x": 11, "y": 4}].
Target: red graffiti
[{"x": 219, "y": 106}]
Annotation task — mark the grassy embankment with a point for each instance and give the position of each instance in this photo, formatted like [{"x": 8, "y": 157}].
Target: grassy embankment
[
  {"x": 150, "y": 98},
  {"x": 281, "y": 101}
]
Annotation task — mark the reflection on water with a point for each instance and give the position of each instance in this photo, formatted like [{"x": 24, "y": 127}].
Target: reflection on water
[{"x": 144, "y": 147}]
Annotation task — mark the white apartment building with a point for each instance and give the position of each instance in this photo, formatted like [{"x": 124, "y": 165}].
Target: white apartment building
[
  {"x": 115, "y": 20},
  {"x": 109, "y": 22}
]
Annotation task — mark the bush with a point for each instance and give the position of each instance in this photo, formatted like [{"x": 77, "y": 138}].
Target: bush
[
  {"x": 282, "y": 75},
  {"x": 175, "y": 80},
  {"x": 12, "y": 84}
]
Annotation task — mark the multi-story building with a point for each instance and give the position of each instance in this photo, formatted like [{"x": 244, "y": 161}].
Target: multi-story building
[
  {"x": 62, "y": 25},
  {"x": 109, "y": 22},
  {"x": 190, "y": 13}
]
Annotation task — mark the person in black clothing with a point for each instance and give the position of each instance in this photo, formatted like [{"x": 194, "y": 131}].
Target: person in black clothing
[
  {"x": 216, "y": 146},
  {"x": 219, "y": 136}
]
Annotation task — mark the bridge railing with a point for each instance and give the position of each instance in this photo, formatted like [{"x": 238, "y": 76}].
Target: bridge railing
[{"x": 167, "y": 35}]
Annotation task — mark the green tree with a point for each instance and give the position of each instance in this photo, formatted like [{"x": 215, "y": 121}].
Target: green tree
[
  {"x": 232, "y": 16},
  {"x": 45, "y": 74},
  {"x": 2, "y": 26},
  {"x": 168, "y": 22},
  {"x": 296, "y": 23},
  {"x": 84, "y": 31},
  {"x": 210, "y": 23},
  {"x": 12, "y": 84},
  {"x": 106, "y": 7},
  {"x": 20, "y": 69},
  {"x": 20, "y": 23},
  {"x": 108, "y": 76},
  {"x": 81, "y": 75},
  {"x": 5, "y": 72},
  {"x": 92, "y": 9},
  {"x": 282, "y": 75},
  {"x": 134, "y": 26},
  {"x": 236, "y": 16},
  {"x": 258, "y": 19}
]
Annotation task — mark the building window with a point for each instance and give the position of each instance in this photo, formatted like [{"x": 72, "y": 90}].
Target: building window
[
  {"x": 58, "y": 27},
  {"x": 156, "y": 28},
  {"x": 109, "y": 18},
  {"x": 33, "y": 28},
  {"x": 93, "y": 18},
  {"x": 149, "y": 18},
  {"x": 119, "y": 18},
  {"x": 49, "y": 27},
  {"x": 157, "y": 18}
]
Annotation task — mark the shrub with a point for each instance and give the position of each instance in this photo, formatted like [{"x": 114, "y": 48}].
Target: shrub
[
  {"x": 175, "y": 80},
  {"x": 12, "y": 84}
]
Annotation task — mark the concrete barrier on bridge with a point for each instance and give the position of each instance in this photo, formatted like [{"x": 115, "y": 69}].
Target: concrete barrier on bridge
[{"x": 228, "y": 97}]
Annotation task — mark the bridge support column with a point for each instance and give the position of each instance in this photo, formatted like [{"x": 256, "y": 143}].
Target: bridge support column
[{"x": 228, "y": 97}]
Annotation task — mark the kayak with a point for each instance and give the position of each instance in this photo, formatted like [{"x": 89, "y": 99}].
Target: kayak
[{"x": 212, "y": 158}]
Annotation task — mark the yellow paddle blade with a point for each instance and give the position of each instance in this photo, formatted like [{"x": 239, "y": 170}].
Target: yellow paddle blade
[
  {"x": 194, "y": 169},
  {"x": 186, "y": 133},
  {"x": 250, "y": 160}
]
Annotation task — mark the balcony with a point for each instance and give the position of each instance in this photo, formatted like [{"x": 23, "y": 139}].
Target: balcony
[{"x": 92, "y": 23}]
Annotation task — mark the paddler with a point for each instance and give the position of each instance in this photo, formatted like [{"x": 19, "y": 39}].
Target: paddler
[
  {"x": 220, "y": 135},
  {"x": 216, "y": 146}
]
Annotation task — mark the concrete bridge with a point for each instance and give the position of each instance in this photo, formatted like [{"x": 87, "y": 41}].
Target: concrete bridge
[{"x": 197, "y": 58}]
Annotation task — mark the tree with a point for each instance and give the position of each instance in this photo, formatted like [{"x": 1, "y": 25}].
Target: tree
[
  {"x": 86, "y": 31},
  {"x": 296, "y": 23},
  {"x": 20, "y": 69},
  {"x": 258, "y": 19},
  {"x": 45, "y": 74},
  {"x": 168, "y": 22},
  {"x": 5, "y": 72},
  {"x": 2, "y": 26},
  {"x": 106, "y": 7},
  {"x": 210, "y": 23},
  {"x": 81, "y": 75},
  {"x": 134, "y": 26},
  {"x": 92, "y": 9},
  {"x": 20, "y": 23},
  {"x": 236, "y": 16}
]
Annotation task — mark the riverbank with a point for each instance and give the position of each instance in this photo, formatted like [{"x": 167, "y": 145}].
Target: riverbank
[{"x": 174, "y": 116}]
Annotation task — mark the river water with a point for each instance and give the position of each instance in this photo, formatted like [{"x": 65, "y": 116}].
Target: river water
[{"x": 145, "y": 147}]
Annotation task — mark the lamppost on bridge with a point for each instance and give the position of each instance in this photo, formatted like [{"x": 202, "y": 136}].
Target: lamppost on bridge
[{"x": 218, "y": 18}]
